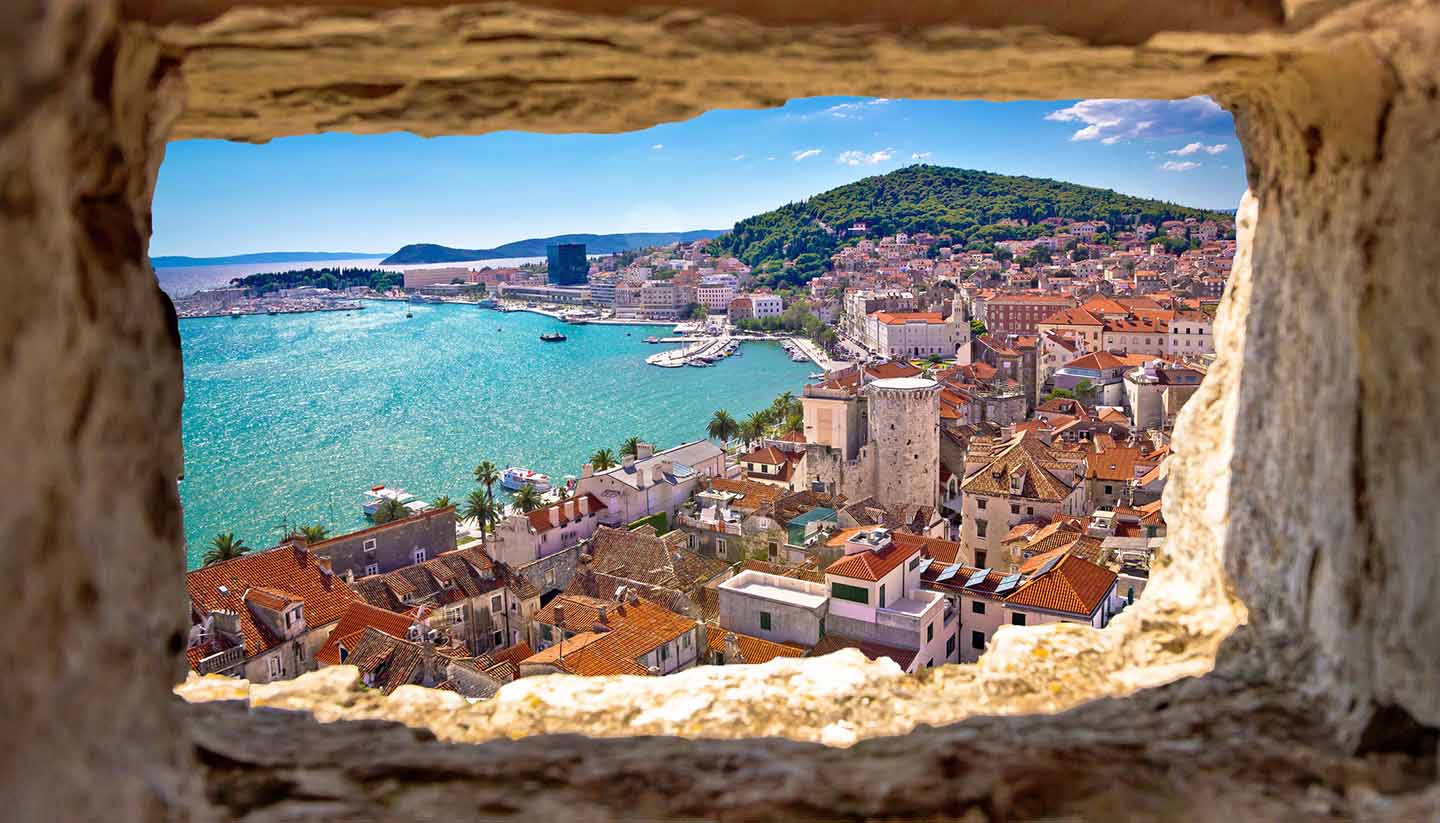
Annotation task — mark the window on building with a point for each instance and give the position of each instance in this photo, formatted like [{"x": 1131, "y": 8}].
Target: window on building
[
  {"x": 854, "y": 594},
  {"x": 929, "y": 632},
  {"x": 685, "y": 640},
  {"x": 980, "y": 526},
  {"x": 546, "y": 632},
  {"x": 914, "y": 562},
  {"x": 1017, "y": 619},
  {"x": 344, "y": 652},
  {"x": 497, "y": 604},
  {"x": 720, "y": 547},
  {"x": 418, "y": 556},
  {"x": 369, "y": 544},
  {"x": 765, "y": 621},
  {"x": 950, "y": 646},
  {"x": 980, "y": 557},
  {"x": 1014, "y": 508},
  {"x": 664, "y": 652},
  {"x": 980, "y": 503},
  {"x": 882, "y": 595},
  {"x": 300, "y": 652},
  {"x": 1029, "y": 510},
  {"x": 977, "y": 606},
  {"x": 372, "y": 568},
  {"x": 455, "y": 615},
  {"x": 977, "y": 641},
  {"x": 1109, "y": 489},
  {"x": 276, "y": 666}
]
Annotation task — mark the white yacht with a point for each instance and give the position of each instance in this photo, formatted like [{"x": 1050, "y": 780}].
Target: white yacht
[{"x": 516, "y": 478}]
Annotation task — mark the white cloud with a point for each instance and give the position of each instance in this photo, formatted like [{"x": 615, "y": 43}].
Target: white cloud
[
  {"x": 856, "y": 110},
  {"x": 1115, "y": 121},
  {"x": 1193, "y": 148},
  {"x": 801, "y": 155},
  {"x": 920, "y": 155},
  {"x": 658, "y": 146},
  {"x": 1178, "y": 165},
  {"x": 738, "y": 157},
  {"x": 860, "y": 158}
]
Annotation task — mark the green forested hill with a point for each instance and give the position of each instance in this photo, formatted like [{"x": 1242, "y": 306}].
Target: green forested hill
[{"x": 962, "y": 203}]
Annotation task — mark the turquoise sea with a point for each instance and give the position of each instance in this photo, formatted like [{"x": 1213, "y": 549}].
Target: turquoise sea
[{"x": 290, "y": 417}]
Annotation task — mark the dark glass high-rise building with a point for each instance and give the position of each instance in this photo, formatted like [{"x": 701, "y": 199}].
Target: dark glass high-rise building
[{"x": 568, "y": 264}]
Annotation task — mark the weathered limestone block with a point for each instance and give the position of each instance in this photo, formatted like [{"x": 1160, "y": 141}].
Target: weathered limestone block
[{"x": 1307, "y": 463}]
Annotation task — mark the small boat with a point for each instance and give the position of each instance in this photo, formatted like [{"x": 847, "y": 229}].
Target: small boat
[
  {"x": 235, "y": 314},
  {"x": 408, "y": 314},
  {"x": 375, "y": 495},
  {"x": 516, "y": 478},
  {"x": 652, "y": 339},
  {"x": 553, "y": 337}
]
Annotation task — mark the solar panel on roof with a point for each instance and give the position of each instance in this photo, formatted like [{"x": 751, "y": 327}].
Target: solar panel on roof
[
  {"x": 977, "y": 578},
  {"x": 948, "y": 573},
  {"x": 924, "y": 565},
  {"x": 1010, "y": 582},
  {"x": 1049, "y": 564}
]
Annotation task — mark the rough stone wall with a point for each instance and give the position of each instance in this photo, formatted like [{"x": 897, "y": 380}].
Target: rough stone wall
[
  {"x": 904, "y": 447},
  {"x": 1333, "y": 529},
  {"x": 90, "y": 396},
  {"x": 1304, "y": 481}
]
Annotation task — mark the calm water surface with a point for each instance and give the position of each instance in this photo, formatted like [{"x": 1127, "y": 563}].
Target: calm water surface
[{"x": 292, "y": 416}]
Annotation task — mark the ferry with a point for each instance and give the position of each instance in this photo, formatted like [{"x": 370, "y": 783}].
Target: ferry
[
  {"x": 553, "y": 337},
  {"x": 516, "y": 478},
  {"x": 376, "y": 495}
]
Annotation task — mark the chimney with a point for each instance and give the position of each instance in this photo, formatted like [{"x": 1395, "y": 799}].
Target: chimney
[
  {"x": 628, "y": 461},
  {"x": 644, "y": 451},
  {"x": 560, "y": 616},
  {"x": 732, "y": 649},
  {"x": 634, "y": 598},
  {"x": 428, "y": 658},
  {"x": 226, "y": 624},
  {"x": 588, "y": 470},
  {"x": 584, "y": 500},
  {"x": 604, "y": 617},
  {"x": 554, "y": 515}
]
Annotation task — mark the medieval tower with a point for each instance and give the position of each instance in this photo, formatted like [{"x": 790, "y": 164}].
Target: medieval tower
[{"x": 904, "y": 447}]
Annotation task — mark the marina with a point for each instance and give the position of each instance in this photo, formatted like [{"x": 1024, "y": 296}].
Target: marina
[{"x": 288, "y": 417}]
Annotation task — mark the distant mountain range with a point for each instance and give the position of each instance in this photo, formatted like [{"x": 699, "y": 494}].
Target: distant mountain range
[
  {"x": 177, "y": 261},
  {"x": 535, "y": 246}
]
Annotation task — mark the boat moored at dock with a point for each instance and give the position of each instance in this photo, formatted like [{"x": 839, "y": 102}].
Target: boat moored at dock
[{"x": 516, "y": 478}]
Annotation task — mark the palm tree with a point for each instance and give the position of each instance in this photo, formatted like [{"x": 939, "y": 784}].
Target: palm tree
[
  {"x": 752, "y": 428},
  {"x": 602, "y": 459},
  {"x": 481, "y": 508},
  {"x": 487, "y": 475},
  {"x": 390, "y": 510},
  {"x": 313, "y": 534},
  {"x": 441, "y": 502},
  {"x": 224, "y": 547},
  {"x": 630, "y": 448},
  {"x": 794, "y": 422},
  {"x": 782, "y": 403},
  {"x": 526, "y": 499},
  {"x": 722, "y": 427}
]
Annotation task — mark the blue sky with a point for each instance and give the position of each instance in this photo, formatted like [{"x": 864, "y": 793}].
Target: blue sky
[{"x": 375, "y": 193}]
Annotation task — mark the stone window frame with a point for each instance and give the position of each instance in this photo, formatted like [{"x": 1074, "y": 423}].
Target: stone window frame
[{"x": 1329, "y": 100}]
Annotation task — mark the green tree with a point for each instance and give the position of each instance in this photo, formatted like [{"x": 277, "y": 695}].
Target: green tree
[
  {"x": 699, "y": 312},
  {"x": 722, "y": 427},
  {"x": 441, "y": 502},
  {"x": 752, "y": 429},
  {"x": 603, "y": 459},
  {"x": 794, "y": 423},
  {"x": 630, "y": 448},
  {"x": 481, "y": 508},
  {"x": 224, "y": 546},
  {"x": 977, "y": 327},
  {"x": 526, "y": 499},
  {"x": 390, "y": 510},
  {"x": 487, "y": 475},
  {"x": 314, "y": 533}
]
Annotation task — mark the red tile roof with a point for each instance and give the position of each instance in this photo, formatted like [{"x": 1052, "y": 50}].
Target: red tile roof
[
  {"x": 292, "y": 570},
  {"x": 752, "y": 649},
  {"x": 1073, "y": 586},
  {"x": 357, "y": 618},
  {"x": 568, "y": 511},
  {"x": 871, "y": 565},
  {"x": 900, "y": 318}
]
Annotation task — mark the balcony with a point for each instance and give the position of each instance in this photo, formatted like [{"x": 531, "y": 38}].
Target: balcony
[{"x": 222, "y": 661}]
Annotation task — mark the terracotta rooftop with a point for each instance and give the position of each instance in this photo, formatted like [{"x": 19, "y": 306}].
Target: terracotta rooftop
[
  {"x": 1073, "y": 586},
  {"x": 872, "y": 565},
  {"x": 649, "y": 559},
  {"x": 357, "y": 618},
  {"x": 752, "y": 649},
  {"x": 294, "y": 571},
  {"x": 753, "y": 495},
  {"x": 1029, "y": 459},
  {"x": 567, "y": 511},
  {"x": 835, "y": 642}
]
